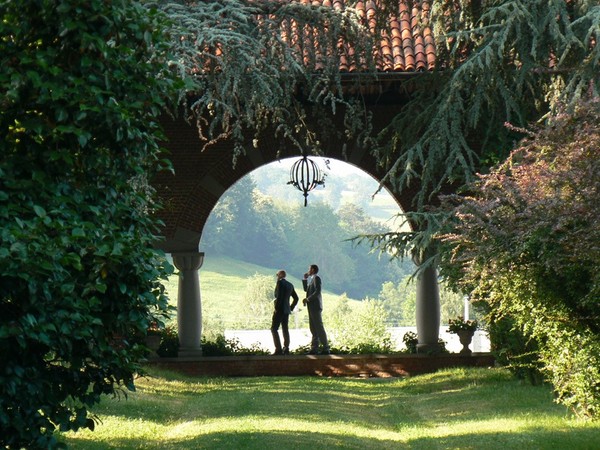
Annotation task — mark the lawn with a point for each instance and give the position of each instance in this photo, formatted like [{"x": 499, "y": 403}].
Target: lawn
[{"x": 451, "y": 409}]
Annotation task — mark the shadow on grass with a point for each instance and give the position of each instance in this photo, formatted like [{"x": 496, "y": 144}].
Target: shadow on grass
[
  {"x": 260, "y": 440},
  {"x": 446, "y": 410},
  {"x": 304, "y": 398},
  {"x": 518, "y": 440},
  {"x": 311, "y": 440},
  {"x": 380, "y": 402}
]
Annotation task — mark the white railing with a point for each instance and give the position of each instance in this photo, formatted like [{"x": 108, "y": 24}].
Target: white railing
[{"x": 301, "y": 337}]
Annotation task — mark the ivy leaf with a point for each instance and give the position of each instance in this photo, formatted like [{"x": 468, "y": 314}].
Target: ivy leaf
[
  {"x": 41, "y": 212},
  {"x": 78, "y": 232}
]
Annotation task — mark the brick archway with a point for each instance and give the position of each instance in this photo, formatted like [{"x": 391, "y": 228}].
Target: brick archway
[
  {"x": 201, "y": 177},
  {"x": 406, "y": 50},
  {"x": 199, "y": 180}
]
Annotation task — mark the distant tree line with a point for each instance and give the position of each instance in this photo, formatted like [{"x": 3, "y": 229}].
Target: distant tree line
[{"x": 253, "y": 227}]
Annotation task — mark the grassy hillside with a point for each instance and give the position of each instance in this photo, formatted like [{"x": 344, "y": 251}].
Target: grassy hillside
[{"x": 223, "y": 284}]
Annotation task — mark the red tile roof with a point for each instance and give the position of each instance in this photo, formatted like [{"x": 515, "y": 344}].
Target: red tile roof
[{"x": 406, "y": 42}]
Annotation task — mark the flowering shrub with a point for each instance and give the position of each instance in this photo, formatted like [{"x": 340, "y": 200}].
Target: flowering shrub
[{"x": 525, "y": 242}]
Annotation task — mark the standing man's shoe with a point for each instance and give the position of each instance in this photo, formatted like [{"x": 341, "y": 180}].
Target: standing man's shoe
[
  {"x": 286, "y": 351},
  {"x": 278, "y": 352},
  {"x": 312, "y": 352}
]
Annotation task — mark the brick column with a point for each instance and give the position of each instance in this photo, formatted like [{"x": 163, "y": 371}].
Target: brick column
[{"x": 189, "y": 304}]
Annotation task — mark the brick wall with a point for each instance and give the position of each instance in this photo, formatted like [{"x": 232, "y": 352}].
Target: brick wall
[
  {"x": 203, "y": 175},
  {"x": 330, "y": 365}
]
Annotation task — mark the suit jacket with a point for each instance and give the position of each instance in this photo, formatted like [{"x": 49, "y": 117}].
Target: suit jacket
[
  {"x": 283, "y": 291},
  {"x": 313, "y": 292}
]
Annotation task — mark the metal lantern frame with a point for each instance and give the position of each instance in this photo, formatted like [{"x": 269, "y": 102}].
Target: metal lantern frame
[{"x": 305, "y": 175}]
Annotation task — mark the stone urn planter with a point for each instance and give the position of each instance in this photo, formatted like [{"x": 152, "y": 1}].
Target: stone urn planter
[
  {"x": 465, "y": 329},
  {"x": 465, "y": 337}
]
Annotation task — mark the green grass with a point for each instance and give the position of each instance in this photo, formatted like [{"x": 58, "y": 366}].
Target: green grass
[
  {"x": 451, "y": 409},
  {"x": 223, "y": 284}
]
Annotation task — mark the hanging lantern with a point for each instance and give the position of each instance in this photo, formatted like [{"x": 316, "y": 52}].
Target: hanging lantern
[{"x": 305, "y": 175}]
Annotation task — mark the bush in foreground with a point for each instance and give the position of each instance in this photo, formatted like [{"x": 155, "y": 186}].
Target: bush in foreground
[
  {"x": 81, "y": 88},
  {"x": 527, "y": 243}
]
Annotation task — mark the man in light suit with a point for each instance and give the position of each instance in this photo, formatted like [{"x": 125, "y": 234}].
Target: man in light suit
[
  {"x": 314, "y": 303},
  {"x": 283, "y": 291}
]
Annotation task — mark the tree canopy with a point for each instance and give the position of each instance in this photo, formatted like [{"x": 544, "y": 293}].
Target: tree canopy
[
  {"x": 498, "y": 61},
  {"x": 502, "y": 61}
]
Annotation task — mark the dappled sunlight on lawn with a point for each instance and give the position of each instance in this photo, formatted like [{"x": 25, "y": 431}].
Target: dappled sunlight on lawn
[
  {"x": 266, "y": 424},
  {"x": 456, "y": 408},
  {"x": 280, "y": 430},
  {"x": 283, "y": 432}
]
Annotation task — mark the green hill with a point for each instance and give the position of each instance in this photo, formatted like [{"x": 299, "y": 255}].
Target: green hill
[{"x": 224, "y": 285}]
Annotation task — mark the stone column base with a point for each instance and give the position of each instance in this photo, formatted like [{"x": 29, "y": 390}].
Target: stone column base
[
  {"x": 428, "y": 349},
  {"x": 189, "y": 352}
]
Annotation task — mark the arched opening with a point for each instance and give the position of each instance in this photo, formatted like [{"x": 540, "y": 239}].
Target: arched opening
[
  {"x": 260, "y": 225},
  {"x": 202, "y": 176}
]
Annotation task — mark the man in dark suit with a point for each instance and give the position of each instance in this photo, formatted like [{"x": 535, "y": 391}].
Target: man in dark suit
[
  {"x": 314, "y": 303},
  {"x": 283, "y": 291}
]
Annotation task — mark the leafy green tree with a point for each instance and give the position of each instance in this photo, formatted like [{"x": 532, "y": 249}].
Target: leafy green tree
[
  {"x": 452, "y": 304},
  {"x": 270, "y": 246},
  {"x": 399, "y": 300},
  {"x": 390, "y": 297},
  {"x": 316, "y": 238},
  {"x": 232, "y": 222},
  {"x": 256, "y": 308},
  {"x": 505, "y": 61},
  {"x": 526, "y": 242},
  {"x": 372, "y": 268},
  {"x": 81, "y": 88},
  {"x": 359, "y": 331}
]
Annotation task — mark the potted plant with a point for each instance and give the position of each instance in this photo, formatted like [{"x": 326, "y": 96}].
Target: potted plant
[{"x": 465, "y": 329}]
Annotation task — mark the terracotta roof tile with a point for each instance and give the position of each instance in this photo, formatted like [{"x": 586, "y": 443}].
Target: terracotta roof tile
[{"x": 406, "y": 43}]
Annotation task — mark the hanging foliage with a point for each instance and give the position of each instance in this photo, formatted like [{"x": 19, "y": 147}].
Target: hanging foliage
[
  {"x": 256, "y": 65},
  {"x": 498, "y": 62}
]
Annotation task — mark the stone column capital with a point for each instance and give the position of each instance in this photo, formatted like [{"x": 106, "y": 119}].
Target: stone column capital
[{"x": 188, "y": 260}]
